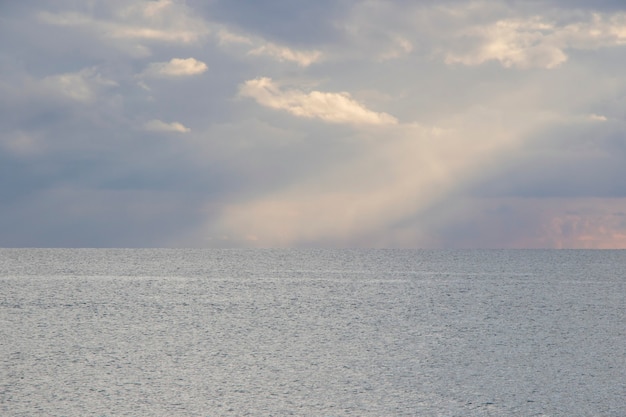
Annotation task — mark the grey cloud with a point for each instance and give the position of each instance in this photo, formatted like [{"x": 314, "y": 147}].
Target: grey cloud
[
  {"x": 69, "y": 217},
  {"x": 599, "y": 5},
  {"x": 294, "y": 22},
  {"x": 566, "y": 162}
]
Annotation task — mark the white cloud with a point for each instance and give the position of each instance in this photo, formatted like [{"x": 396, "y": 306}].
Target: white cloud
[
  {"x": 80, "y": 86},
  {"x": 536, "y": 42},
  {"x": 602, "y": 30},
  {"x": 170, "y": 22},
  {"x": 282, "y": 53},
  {"x": 514, "y": 43},
  {"x": 329, "y": 107},
  {"x": 261, "y": 47},
  {"x": 176, "y": 67},
  {"x": 157, "y": 125},
  {"x": 598, "y": 117},
  {"x": 142, "y": 21},
  {"x": 400, "y": 47},
  {"x": 226, "y": 37}
]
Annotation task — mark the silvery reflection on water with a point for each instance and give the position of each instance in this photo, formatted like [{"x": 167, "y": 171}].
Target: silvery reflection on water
[{"x": 156, "y": 332}]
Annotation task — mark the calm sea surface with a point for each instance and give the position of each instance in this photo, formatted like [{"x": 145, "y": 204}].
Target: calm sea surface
[{"x": 156, "y": 332}]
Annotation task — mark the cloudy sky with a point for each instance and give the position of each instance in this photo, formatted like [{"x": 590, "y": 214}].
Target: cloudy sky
[{"x": 329, "y": 123}]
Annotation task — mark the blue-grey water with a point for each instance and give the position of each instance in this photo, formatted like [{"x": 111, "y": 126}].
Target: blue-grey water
[{"x": 163, "y": 332}]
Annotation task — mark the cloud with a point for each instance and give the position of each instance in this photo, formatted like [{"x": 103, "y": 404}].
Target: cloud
[
  {"x": 176, "y": 67},
  {"x": 21, "y": 144},
  {"x": 400, "y": 47},
  {"x": 472, "y": 33},
  {"x": 157, "y": 125},
  {"x": 379, "y": 31},
  {"x": 378, "y": 196},
  {"x": 597, "y": 117},
  {"x": 580, "y": 223},
  {"x": 163, "y": 21},
  {"x": 514, "y": 43},
  {"x": 261, "y": 47},
  {"x": 282, "y": 53},
  {"x": 329, "y": 107},
  {"x": 302, "y": 23},
  {"x": 226, "y": 37},
  {"x": 388, "y": 146},
  {"x": 80, "y": 86},
  {"x": 536, "y": 42},
  {"x": 126, "y": 218}
]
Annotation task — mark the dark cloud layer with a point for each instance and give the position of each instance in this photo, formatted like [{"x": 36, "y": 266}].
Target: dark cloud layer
[{"x": 568, "y": 163}]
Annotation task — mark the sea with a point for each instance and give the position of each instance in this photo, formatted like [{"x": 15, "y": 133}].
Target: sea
[{"x": 329, "y": 333}]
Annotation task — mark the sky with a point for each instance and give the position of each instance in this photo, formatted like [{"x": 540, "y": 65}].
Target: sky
[{"x": 292, "y": 123}]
